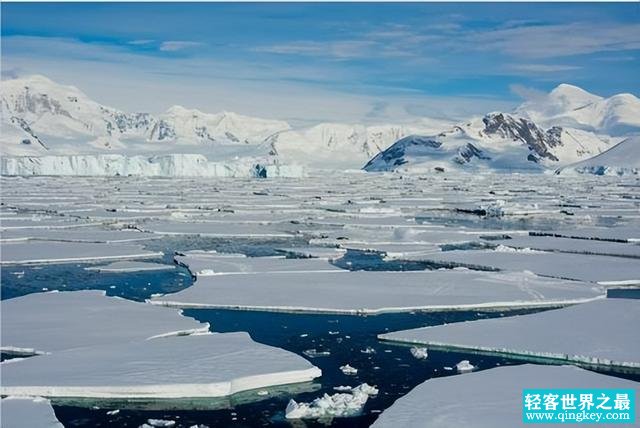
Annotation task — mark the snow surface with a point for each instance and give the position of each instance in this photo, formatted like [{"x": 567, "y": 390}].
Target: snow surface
[
  {"x": 201, "y": 365},
  {"x": 35, "y": 252},
  {"x": 566, "y": 335},
  {"x": 377, "y": 292},
  {"x": 599, "y": 269},
  {"x": 27, "y": 412},
  {"x": 621, "y": 159},
  {"x": 571, "y": 106},
  {"x": 486, "y": 399},
  {"x": 37, "y": 322},
  {"x": 581, "y": 246},
  {"x": 204, "y": 263}
]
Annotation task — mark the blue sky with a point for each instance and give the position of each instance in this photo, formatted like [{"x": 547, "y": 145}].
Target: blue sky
[{"x": 312, "y": 62}]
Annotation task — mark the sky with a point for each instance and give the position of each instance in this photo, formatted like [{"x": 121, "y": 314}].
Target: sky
[{"x": 313, "y": 62}]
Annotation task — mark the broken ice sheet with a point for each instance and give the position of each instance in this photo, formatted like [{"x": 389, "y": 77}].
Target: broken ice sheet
[
  {"x": 486, "y": 399},
  {"x": 601, "y": 269},
  {"x": 341, "y": 405},
  {"x": 220, "y": 229},
  {"x": 363, "y": 292},
  {"x": 50, "y": 322},
  {"x": 201, "y": 365},
  {"x": 201, "y": 263},
  {"x": 27, "y": 412},
  {"x": 38, "y": 252},
  {"x": 559, "y": 336},
  {"x": 567, "y": 245},
  {"x": 129, "y": 266}
]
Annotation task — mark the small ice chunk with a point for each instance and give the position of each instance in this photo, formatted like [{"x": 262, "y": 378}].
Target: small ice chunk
[
  {"x": 313, "y": 353},
  {"x": 419, "y": 353},
  {"x": 348, "y": 370},
  {"x": 342, "y": 388},
  {"x": 368, "y": 350},
  {"x": 113, "y": 412},
  {"x": 465, "y": 366},
  {"x": 336, "y": 405},
  {"x": 161, "y": 422}
]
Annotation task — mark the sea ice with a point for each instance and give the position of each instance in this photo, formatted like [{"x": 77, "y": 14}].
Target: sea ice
[
  {"x": 339, "y": 405},
  {"x": 128, "y": 266},
  {"x": 200, "y": 365},
  {"x": 27, "y": 412},
  {"x": 465, "y": 366},
  {"x": 419, "y": 353},
  {"x": 211, "y": 263},
  {"x": 56, "y": 321},
  {"x": 363, "y": 292},
  {"x": 581, "y": 267},
  {"x": 567, "y": 245},
  {"x": 37, "y": 252},
  {"x": 486, "y": 399},
  {"x": 563, "y": 335}
]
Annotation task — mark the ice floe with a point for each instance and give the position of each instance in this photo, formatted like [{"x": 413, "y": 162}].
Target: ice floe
[
  {"x": 38, "y": 252},
  {"x": 201, "y": 365},
  {"x": 486, "y": 399},
  {"x": 27, "y": 412},
  {"x": 129, "y": 266},
  {"x": 56, "y": 321},
  {"x": 600, "y": 269},
  {"x": 567, "y": 245},
  {"x": 342, "y": 404},
  {"x": 566, "y": 335},
  {"x": 363, "y": 292},
  {"x": 202, "y": 263}
]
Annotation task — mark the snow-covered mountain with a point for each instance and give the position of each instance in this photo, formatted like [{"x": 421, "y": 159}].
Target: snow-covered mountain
[
  {"x": 622, "y": 159},
  {"x": 497, "y": 141},
  {"x": 41, "y": 117},
  {"x": 573, "y": 107},
  {"x": 343, "y": 145}
]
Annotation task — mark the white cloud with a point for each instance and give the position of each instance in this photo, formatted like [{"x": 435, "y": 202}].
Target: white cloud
[
  {"x": 178, "y": 45},
  {"x": 543, "y": 68}
]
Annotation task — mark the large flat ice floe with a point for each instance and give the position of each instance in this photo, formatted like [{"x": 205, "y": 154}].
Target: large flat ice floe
[
  {"x": 600, "y": 269},
  {"x": 220, "y": 229},
  {"x": 378, "y": 292},
  {"x": 38, "y": 252},
  {"x": 578, "y": 246},
  {"x": 201, "y": 365},
  {"x": 129, "y": 266},
  {"x": 565, "y": 335},
  {"x": 56, "y": 321},
  {"x": 486, "y": 399},
  {"x": 202, "y": 263},
  {"x": 27, "y": 412},
  {"x": 94, "y": 346}
]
